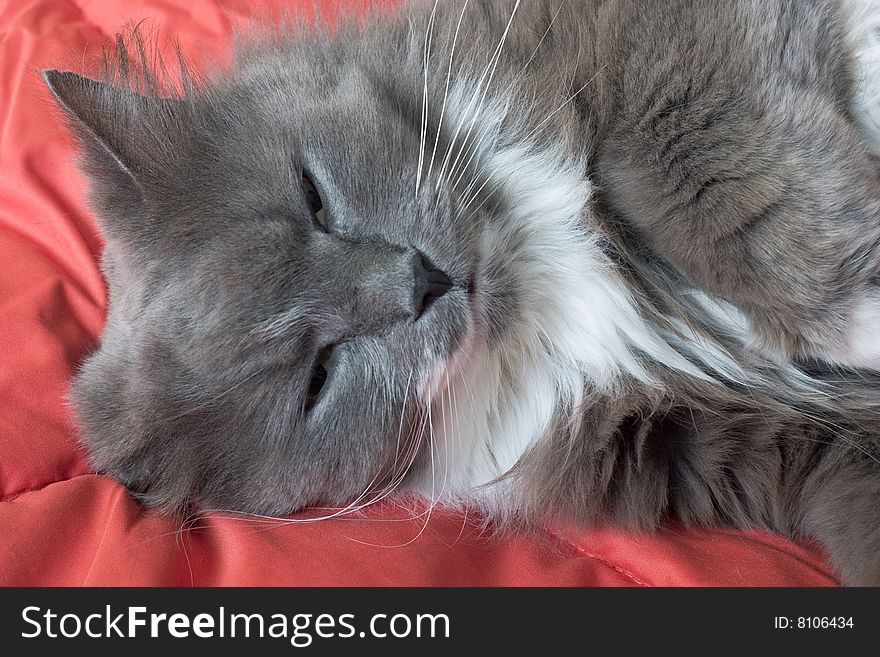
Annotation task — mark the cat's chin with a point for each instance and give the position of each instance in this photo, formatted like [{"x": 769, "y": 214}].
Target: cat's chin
[{"x": 443, "y": 372}]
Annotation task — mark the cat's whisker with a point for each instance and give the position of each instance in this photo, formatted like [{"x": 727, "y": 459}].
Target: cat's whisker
[
  {"x": 476, "y": 149},
  {"x": 392, "y": 487},
  {"x": 490, "y": 71},
  {"x": 402, "y": 416},
  {"x": 429, "y": 32},
  {"x": 473, "y": 195},
  {"x": 395, "y": 479},
  {"x": 431, "y": 448},
  {"x": 181, "y": 541},
  {"x": 506, "y": 94},
  {"x": 473, "y": 153},
  {"x": 446, "y": 91},
  {"x": 479, "y": 109},
  {"x": 456, "y": 444},
  {"x": 424, "y": 430},
  {"x": 473, "y": 148},
  {"x": 469, "y": 195},
  {"x": 472, "y": 199},
  {"x": 452, "y": 142},
  {"x": 447, "y": 419},
  {"x": 413, "y": 455},
  {"x": 214, "y": 399},
  {"x": 435, "y": 496},
  {"x": 413, "y": 442},
  {"x": 465, "y": 195},
  {"x": 563, "y": 105},
  {"x": 540, "y": 42},
  {"x": 398, "y": 476},
  {"x": 337, "y": 513}
]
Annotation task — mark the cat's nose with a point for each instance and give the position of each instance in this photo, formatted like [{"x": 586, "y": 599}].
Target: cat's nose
[{"x": 431, "y": 283}]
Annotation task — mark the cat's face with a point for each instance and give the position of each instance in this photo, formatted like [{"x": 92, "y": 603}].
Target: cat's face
[{"x": 286, "y": 290}]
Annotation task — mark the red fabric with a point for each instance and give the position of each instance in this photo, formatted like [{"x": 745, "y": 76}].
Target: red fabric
[{"x": 61, "y": 524}]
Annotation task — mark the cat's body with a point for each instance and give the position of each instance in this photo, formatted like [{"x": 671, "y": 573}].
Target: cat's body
[{"x": 491, "y": 251}]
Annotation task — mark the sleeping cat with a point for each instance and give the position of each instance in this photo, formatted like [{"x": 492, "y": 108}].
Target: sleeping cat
[{"x": 608, "y": 260}]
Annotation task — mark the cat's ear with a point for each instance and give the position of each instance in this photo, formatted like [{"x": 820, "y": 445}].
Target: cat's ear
[{"x": 115, "y": 126}]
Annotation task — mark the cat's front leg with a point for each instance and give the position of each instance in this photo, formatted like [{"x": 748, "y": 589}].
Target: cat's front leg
[
  {"x": 779, "y": 215},
  {"x": 756, "y": 175}
]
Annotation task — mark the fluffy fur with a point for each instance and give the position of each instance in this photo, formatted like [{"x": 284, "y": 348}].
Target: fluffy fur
[{"x": 659, "y": 227}]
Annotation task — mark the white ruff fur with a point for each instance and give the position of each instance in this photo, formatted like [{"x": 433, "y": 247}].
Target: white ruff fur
[{"x": 576, "y": 328}]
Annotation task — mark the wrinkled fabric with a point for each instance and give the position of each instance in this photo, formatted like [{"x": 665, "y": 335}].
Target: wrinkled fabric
[{"x": 61, "y": 524}]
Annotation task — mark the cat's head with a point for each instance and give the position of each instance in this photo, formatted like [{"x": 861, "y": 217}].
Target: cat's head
[{"x": 296, "y": 260}]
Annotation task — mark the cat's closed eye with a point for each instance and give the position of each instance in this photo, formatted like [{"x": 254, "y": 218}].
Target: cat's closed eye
[
  {"x": 320, "y": 373},
  {"x": 316, "y": 205}
]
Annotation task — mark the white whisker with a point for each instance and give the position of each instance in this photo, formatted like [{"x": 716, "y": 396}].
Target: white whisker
[
  {"x": 424, "y": 132},
  {"x": 490, "y": 71},
  {"x": 479, "y": 109},
  {"x": 446, "y": 91},
  {"x": 562, "y": 106}
]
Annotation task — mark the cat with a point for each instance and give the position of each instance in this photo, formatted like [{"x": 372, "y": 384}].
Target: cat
[{"x": 612, "y": 260}]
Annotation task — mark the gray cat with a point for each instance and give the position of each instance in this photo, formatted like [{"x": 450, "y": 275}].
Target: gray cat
[{"x": 610, "y": 259}]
